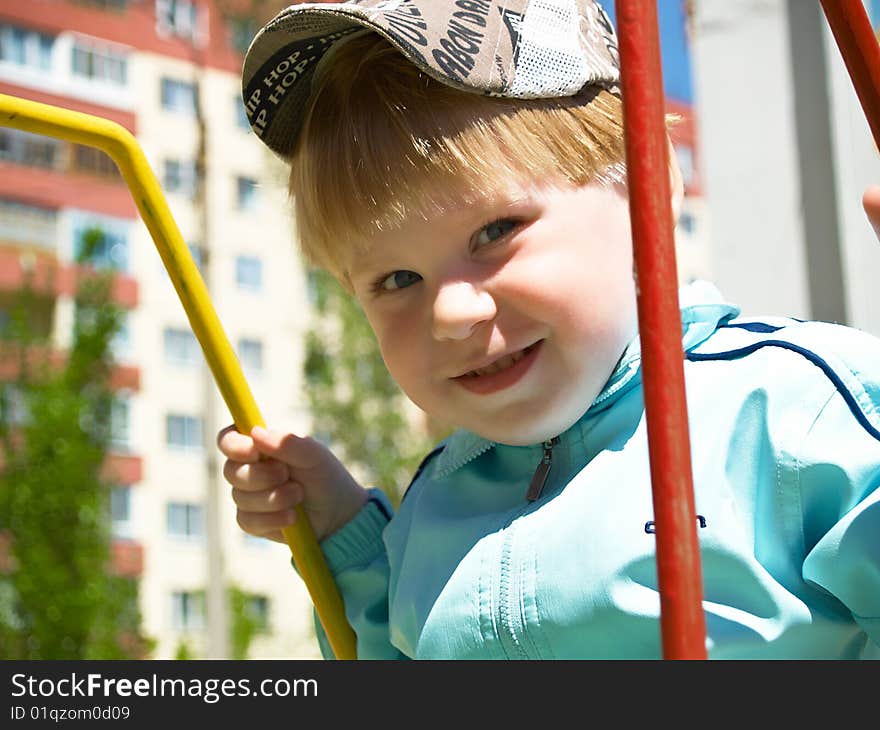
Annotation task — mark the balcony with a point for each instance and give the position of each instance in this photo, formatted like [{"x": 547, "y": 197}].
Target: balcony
[
  {"x": 42, "y": 172},
  {"x": 28, "y": 225},
  {"x": 122, "y": 377},
  {"x": 123, "y": 468},
  {"x": 126, "y": 557},
  {"x": 51, "y": 278},
  {"x": 148, "y": 26}
]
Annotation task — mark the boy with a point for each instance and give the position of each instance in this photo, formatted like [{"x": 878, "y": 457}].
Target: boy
[{"x": 486, "y": 236}]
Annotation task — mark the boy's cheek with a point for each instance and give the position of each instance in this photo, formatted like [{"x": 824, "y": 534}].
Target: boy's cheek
[
  {"x": 383, "y": 328},
  {"x": 394, "y": 354}
]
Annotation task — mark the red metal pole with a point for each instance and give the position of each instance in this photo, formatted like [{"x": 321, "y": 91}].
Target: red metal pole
[
  {"x": 858, "y": 45},
  {"x": 682, "y": 622}
]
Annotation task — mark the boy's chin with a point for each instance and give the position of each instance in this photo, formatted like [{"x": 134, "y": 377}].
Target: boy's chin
[{"x": 529, "y": 434}]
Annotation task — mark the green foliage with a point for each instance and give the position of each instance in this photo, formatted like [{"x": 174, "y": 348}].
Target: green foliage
[
  {"x": 59, "y": 599},
  {"x": 357, "y": 407},
  {"x": 183, "y": 651},
  {"x": 245, "y": 623}
]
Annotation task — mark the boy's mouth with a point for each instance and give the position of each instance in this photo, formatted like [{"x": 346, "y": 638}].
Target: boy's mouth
[
  {"x": 502, "y": 363},
  {"x": 500, "y": 373}
]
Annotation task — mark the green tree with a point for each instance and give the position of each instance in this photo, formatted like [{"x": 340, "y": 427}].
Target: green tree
[
  {"x": 246, "y": 623},
  {"x": 244, "y": 626},
  {"x": 59, "y": 598},
  {"x": 357, "y": 408},
  {"x": 183, "y": 652}
]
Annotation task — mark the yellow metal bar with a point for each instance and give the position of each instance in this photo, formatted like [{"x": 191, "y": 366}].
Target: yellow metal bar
[{"x": 123, "y": 148}]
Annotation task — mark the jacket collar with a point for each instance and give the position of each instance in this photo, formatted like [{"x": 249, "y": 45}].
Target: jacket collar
[{"x": 703, "y": 309}]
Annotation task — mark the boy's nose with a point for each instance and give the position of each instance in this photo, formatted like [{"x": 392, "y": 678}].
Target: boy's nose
[{"x": 459, "y": 306}]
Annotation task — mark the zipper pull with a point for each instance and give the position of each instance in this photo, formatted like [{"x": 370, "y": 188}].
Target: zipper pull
[{"x": 542, "y": 472}]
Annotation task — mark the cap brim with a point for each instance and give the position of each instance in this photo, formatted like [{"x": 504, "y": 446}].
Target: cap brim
[{"x": 516, "y": 49}]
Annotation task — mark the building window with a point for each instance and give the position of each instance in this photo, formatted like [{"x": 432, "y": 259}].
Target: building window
[
  {"x": 110, "y": 249},
  {"x": 188, "y": 610},
  {"x": 29, "y": 149},
  {"x": 180, "y": 96},
  {"x": 198, "y": 256},
  {"x": 181, "y": 347},
  {"x": 178, "y": 18},
  {"x": 99, "y": 64},
  {"x": 94, "y": 162},
  {"x": 183, "y": 432},
  {"x": 186, "y": 520},
  {"x": 120, "y": 345},
  {"x": 13, "y": 409},
  {"x": 120, "y": 424},
  {"x": 241, "y": 117},
  {"x": 687, "y": 223},
  {"x": 685, "y": 156},
  {"x": 241, "y": 33},
  {"x": 25, "y": 48},
  {"x": 246, "y": 193},
  {"x": 250, "y": 353},
  {"x": 182, "y": 178},
  {"x": 120, "y": 512},
  {"x": 257, "y": 609},
  {"x": 28, "y": 224},
  {"x": 249, "y": 273}
]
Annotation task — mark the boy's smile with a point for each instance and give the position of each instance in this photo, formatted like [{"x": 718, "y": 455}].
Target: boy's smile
[
  {"x": 501, "y": 372},
  {"x": 505, "y": 317}
]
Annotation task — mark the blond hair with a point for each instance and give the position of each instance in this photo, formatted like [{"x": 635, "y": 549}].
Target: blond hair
[{"x": 382, "y": 141}]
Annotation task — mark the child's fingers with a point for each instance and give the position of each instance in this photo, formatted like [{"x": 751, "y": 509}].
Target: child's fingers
[
  {"x": 276, "y": 499},
  {"x": 237, "y": 446},
  {"x": 257, "y": 476},
  {"x": 299, "y": 452},
  {"x": 264, "y": 524}
]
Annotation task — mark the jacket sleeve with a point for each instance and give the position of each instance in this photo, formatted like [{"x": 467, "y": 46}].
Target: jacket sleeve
[
  {"x": 839, "y": 476},
  {"x": 358, "y": 562}
]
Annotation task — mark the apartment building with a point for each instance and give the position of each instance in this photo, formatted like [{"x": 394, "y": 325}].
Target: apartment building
[
  {"x": 692, "y": 232},
  {"x": 168, "y": 71},
  {"x": 788, "y": 156}
]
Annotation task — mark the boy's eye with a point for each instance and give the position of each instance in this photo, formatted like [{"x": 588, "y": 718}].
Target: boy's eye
[
  {"x": 493, "y": 231},
  {"x": 397, "y": 280}
]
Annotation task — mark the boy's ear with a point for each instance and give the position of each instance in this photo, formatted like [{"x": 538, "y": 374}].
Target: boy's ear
[{"x": 676, "y": 183}]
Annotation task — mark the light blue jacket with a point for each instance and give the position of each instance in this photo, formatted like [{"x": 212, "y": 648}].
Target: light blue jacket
[{"x": 785, "y": 444}]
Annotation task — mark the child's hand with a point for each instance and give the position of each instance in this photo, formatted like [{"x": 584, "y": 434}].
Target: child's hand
[
  {"x": 293, "y": 470},
  {"x": 871, "y": 202}
]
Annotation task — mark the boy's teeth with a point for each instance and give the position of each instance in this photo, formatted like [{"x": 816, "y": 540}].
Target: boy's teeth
[{"x": 500, "y": 364}]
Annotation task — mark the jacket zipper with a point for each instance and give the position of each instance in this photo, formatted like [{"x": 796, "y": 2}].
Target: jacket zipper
[
  {"x": 483, "y": 448},
  {"x": 539, "y": 478}
]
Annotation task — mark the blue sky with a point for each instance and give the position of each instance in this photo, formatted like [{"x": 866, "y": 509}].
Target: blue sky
[
  {"x": 673, "y": 47},
  {"x": 674, "y": 44}
]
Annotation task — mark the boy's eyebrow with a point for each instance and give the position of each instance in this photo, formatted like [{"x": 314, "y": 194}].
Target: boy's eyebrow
[
  {"x": 503, "y": 205},
  {"x": 361, "y": 259},
  {"x": 364, "y": 259}
]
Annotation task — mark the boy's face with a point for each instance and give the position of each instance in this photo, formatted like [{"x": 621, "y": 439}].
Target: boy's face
[{"x": 533, "y": 291}]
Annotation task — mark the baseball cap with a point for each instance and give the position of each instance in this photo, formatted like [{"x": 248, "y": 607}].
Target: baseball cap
[{"x": 509, "y": 48}]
